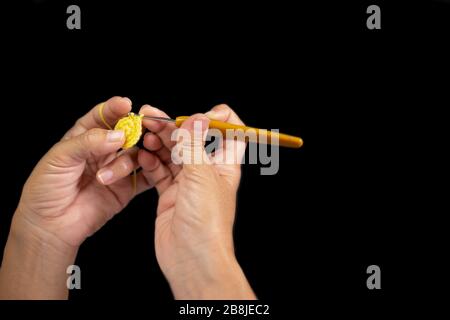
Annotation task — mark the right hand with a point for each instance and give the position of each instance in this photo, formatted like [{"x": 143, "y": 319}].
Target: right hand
[{"x": 196, "y": 209}]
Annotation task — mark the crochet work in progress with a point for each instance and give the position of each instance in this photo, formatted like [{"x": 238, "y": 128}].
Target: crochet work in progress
[{"x": 132, "y": 126}]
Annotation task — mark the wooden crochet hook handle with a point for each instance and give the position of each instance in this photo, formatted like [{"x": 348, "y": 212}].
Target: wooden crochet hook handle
[{"x": 284, "y": 140}]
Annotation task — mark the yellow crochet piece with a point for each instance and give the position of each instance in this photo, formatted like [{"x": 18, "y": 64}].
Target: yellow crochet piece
[{"x": 132, "y": 126}]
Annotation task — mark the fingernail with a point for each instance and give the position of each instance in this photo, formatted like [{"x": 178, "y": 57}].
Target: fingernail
[
  {"x": 115, "y": 135},
  {"x": 211, "y": 114},
  {"x": 146, "y": 108},
  {"x": 215, "y": 114},
  {"x": 128, "y": 100},
  {"x": 105, "y": 175},
  {"x": 154, "y": 109}
]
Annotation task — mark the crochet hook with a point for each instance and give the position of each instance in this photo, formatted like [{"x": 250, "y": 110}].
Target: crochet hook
[{"x": 284, "y": 140}]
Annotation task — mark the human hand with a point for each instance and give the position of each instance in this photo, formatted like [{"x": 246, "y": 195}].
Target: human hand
[
  {"x": 196, "y": 208},
  {"x": 81, "y": 182},
  {"x": 79, "y": 185}
]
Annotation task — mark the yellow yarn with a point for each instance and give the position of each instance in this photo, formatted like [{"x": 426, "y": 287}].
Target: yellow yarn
[
  {"x": 132, "y": 126},
  {"x": 100, "y": 112}
]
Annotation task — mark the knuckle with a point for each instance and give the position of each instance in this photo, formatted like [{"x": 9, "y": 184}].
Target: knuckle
[
  {"x": 127, "y": 164},
  {"x": 113, "y": 99},
  {"x": 79, "y": 123},
  {"x": 91, "y": 135}
]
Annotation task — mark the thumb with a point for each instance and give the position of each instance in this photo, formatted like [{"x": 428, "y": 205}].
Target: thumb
[
  {"x": 78, "y": 149},
  {"x": 193, "y": 132}
]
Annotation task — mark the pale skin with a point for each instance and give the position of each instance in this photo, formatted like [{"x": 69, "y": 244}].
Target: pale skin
[{"x": 83, "y": 181}]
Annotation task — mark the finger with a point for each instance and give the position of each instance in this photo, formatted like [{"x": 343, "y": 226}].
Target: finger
[
  {"x": 162, "y": 128},
  {"x": 154, "y": 171},
  {"x": 119, "y": 168},
  {"x": 232, "y": 151},
  {"x": 153, "y": 143},
  {"x": 191, "y": 141},
  {"x": 111, "y": 110},
  {"x": 142, "y": 184},
  {"x": 223, "y": 112},
  {"x": 94, "y": 142}
]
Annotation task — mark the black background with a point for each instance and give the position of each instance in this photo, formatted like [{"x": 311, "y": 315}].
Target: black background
[{"x": 361, "y": 99}]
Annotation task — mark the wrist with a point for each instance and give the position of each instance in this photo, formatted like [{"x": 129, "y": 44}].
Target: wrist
[
  {"x": 28, "y": 231},
  {"x": 216, "y": 276},
  {"x": 34, "y": 262}
]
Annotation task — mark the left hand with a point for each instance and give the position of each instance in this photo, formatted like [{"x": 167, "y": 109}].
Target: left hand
[{"x": 82, "y": 181}]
